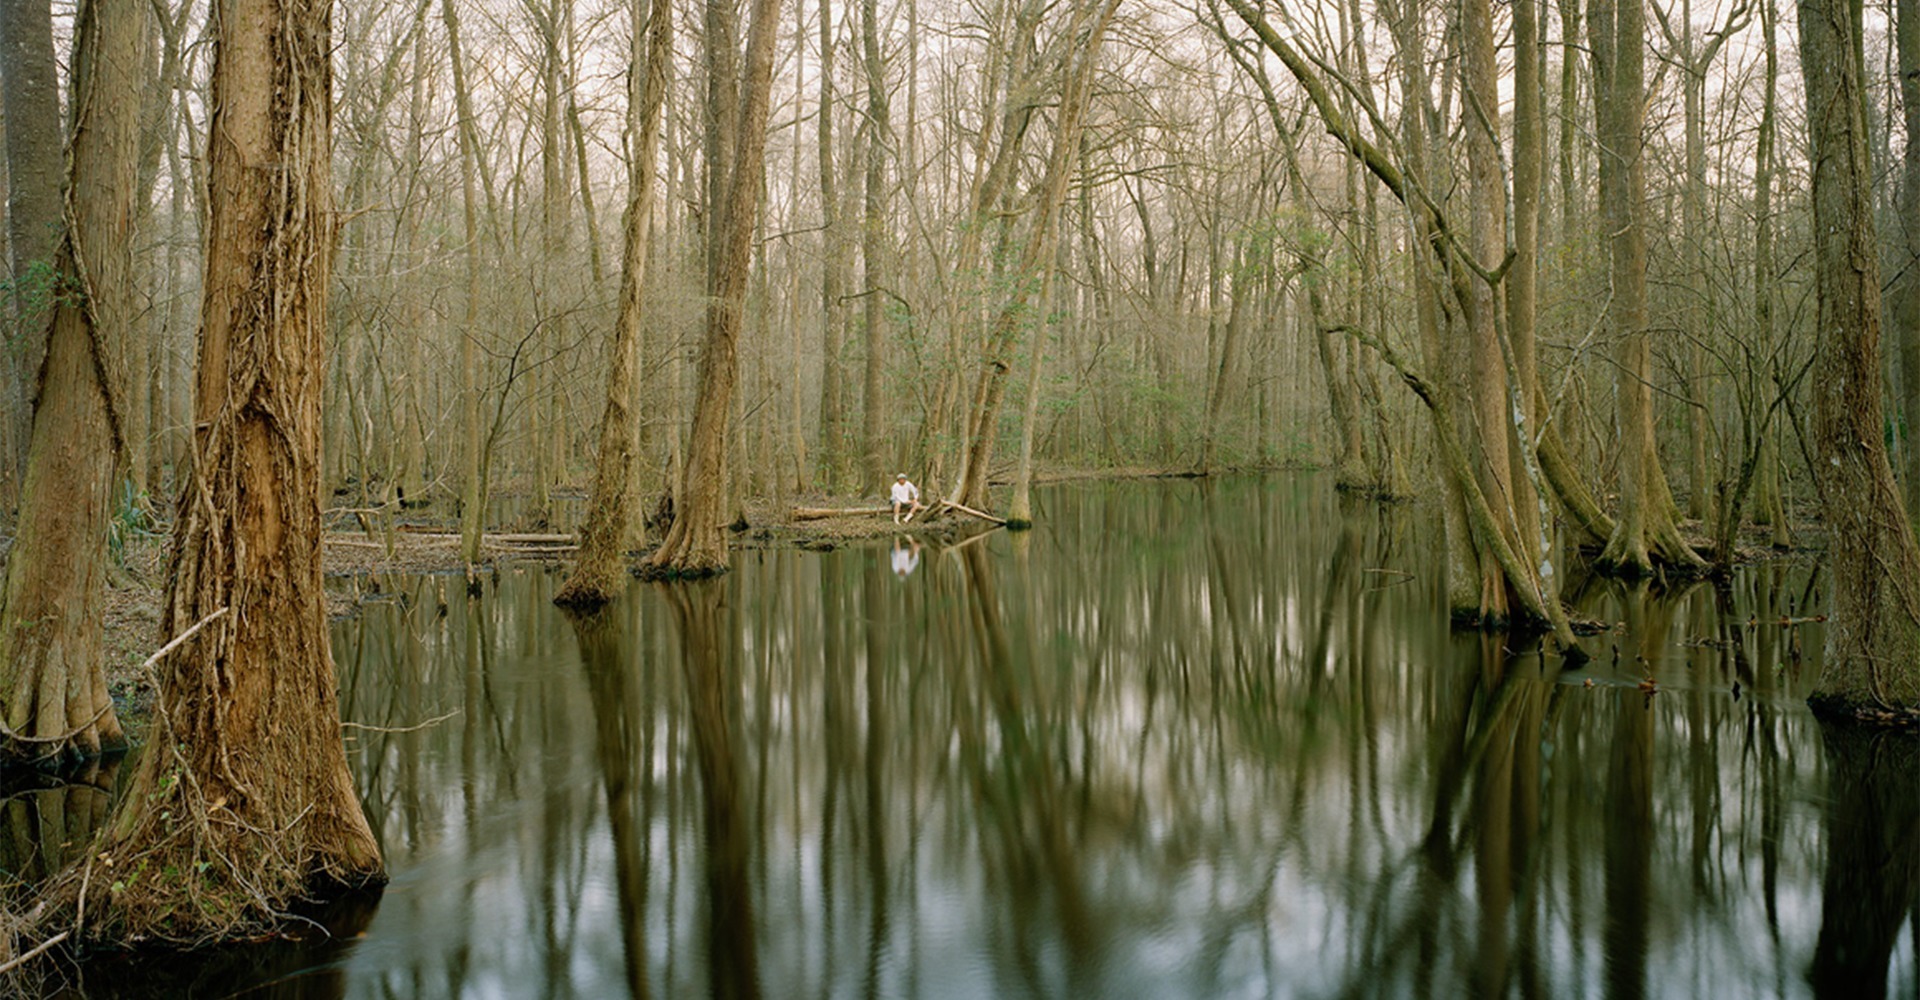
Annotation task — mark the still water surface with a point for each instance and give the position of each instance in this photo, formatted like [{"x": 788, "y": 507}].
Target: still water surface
[{"x": 1184, "y": 739}]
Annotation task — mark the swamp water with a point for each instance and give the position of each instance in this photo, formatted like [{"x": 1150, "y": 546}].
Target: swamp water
[{"x": 1184, "y": 739}]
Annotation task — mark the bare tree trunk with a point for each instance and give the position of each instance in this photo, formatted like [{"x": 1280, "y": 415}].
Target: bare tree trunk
[
  {"x": 158, "y": 132},
  {"x": 1223, "y": 373},
  {"x": 248, "y": 769},
  {"x": 832, "y": 274},
  {"x": 410, "y": 474},
  {"x": 1644, "y": 530},
  {"x": 873, "y": 250},
  {"x": 1759, "y": 465},
  {"x": 1034, "y": 268},
  {"x": 1769, "y": 500},
  {"x": 548, "y": 429},
  {"x": 1529, "y": 159},
  {"x": 1487, "y": 518},
  {"x": 1571, "y": 201},
  {"x": 1494, "y": 399},
  {"x": 51, "y": 676},
  {"x": 696, "y": 546},
  {"x": 30, "y": 91},
  {"x": 598, "y": 571},
  {"x": 473, "y": 498},
  {"x": 577, "y": 133},
  {"x": 1873, "y": 633},
  {"x": 796, "y": 434},
  {"x": 1020, "y": 504}
]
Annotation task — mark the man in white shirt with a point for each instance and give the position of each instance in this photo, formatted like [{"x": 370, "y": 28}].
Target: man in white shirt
[{"x": 906, "y": 499}]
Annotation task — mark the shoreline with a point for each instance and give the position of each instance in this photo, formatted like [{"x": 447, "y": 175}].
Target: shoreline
[{"x": 413, "y": 544}]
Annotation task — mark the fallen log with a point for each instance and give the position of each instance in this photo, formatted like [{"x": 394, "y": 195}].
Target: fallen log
[
  {"x": 981, "y": 514},
  {"x": 817, "y": 513},
  {"x": 491, "y": 538}
]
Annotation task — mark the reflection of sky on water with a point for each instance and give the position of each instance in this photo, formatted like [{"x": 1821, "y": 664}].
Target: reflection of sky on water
[{"x": 1177, "y": 742}]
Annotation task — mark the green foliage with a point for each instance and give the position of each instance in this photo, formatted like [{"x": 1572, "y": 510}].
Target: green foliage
[
  {"x": 40, "y": 288},
  {"x": 132, "y": 521}
]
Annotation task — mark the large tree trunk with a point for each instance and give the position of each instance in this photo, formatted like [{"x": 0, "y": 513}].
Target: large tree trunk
[
  {"x": 51, "y": 678},
  {"x": 1645, "y": 529},
  {"x": 30, "y": 91},
  {"x": 696, "y": 545},
  {"x": 1495, "y": 403},
  {"x": 246, "y": 790},
  {"x": 1906, "y": 262},
  {"x": 598, "y": 571},
  {"x": 1529, "y": 158},
  {"x": 1873, "y": 633}
]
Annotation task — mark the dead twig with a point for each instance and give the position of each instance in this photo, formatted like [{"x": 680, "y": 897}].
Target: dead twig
[{"x": 38, "y": 950}]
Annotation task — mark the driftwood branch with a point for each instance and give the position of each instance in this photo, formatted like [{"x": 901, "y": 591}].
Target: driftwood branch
[
  {"x": 981, "y": 514},
  {"x": 38, "y": 950}
]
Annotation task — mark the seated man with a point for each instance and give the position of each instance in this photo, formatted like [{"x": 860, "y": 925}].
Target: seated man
[{"x": 906, "y": 499}]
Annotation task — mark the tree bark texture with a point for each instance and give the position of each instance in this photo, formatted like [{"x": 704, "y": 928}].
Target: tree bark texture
[
  {"x": 1873, "y": 631},
  {"x": 30, "y": 91},
  {"x": 246, "y": 791},
  {"x": 1906, "y": 263},
  {"x": 52, "y": 683}
]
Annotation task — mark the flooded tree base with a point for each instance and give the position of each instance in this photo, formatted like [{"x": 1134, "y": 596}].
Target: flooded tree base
[
  {"x": 325, "y": 925},
  {"x": 668, "y": 574},
  {"x": 1844, "y": 712},
  {"x": 1298, "y": 623}
]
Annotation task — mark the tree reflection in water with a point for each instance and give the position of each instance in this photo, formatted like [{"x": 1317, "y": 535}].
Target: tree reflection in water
[
  {"x": 1872, "y": 879},
  {"x": 1182, "y": 740}
]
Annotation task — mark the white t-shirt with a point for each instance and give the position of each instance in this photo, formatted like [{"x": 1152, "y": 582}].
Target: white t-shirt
[
  {"x": 904, "y": 561},
  {"x": 905, "y": 492}
]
